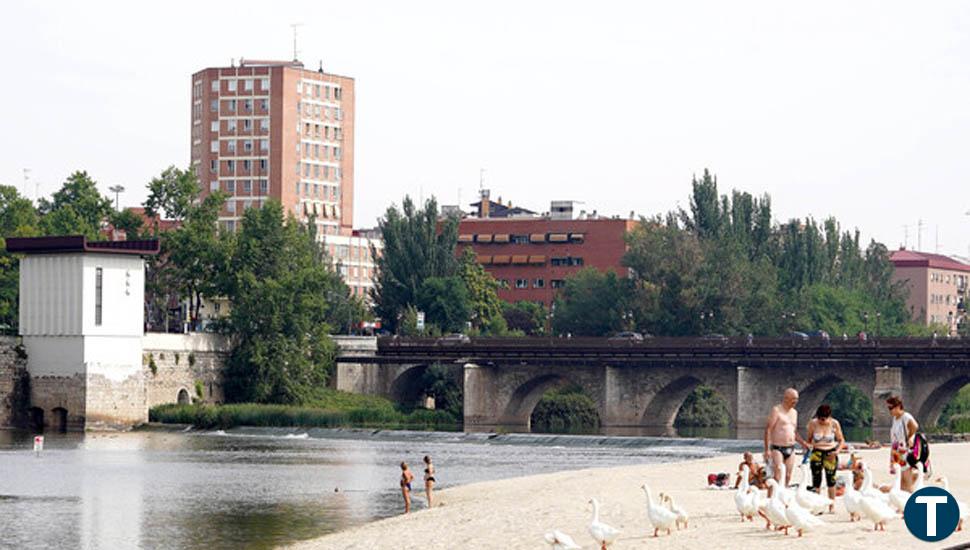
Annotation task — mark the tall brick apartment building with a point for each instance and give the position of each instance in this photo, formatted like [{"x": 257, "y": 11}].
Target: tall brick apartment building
[
  {"x": 276, "y": 130},
  {"x": 939, "y": 287},
  {"x": 532, "y": 255}
]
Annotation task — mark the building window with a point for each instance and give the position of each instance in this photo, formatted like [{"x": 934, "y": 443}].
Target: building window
[
  {"x": 264, "y": 84},
  {"x": 230, "y": 186},
  {"x": 231, "y": 165},
  {"x": 263, "y": 186},
  {"x": 98, "y": 294},
  {"x": 231, "y": 145},
  {"x": 247, "y": 165},
  {"x": 539, "y": 283},
  {"x": 248, "y": 146},
  {"x": 248, "y": 105},
  {"x": 215, "y": 85},
  {"x": 214, "y": 105},
  {"x": 232, "y": 106},
  {"x": 248, "y": 85},
  {"x": 232, "y": 85},
  {"x": 214, "y": 127},
  {"x": 213, "y": 186},
  {"x": 231, "y": 207},
  {"x": 264, "y": 124},
  {"x": 557, "y": 283},
  {"x": 264, "y": 104},
  {"x": 521, "y": 283},
  {"x": 247, "y": 186},
  {"x": 214, "y": 146},
  {"x": 214, "y": 166},
  {"x": 247, "y": 124},
  {"x": 521, "y": 239},
  {"x": 337, "y": 93}
]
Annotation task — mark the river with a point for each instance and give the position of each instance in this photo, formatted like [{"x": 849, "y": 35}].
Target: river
[{"x": 259, "y": 488}]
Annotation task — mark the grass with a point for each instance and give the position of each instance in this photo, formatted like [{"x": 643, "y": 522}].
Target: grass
[{"x": 328, "y": 409}]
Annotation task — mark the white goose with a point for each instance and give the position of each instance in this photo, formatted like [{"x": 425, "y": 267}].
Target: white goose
[
  {"x": 897, "y": 496},
  {"x": 868, "y": 490},
  {"x": 964, "y": 509},
  {"x": 560, "y": 541},
  {"x": 853, "y": 501},
  {"x": 660, "y": 516},
  {"x": 601, "y": 532},
  {"x": 775, "y": 510},
  {"x": 813, "y": 502},
  {"x": 873, "y": 507},
  {"x": 787, "y": 495},
  {"x": 682, "y": 516},
  {"x": 919, "y": 479},
  {"x": 744, "y": 498},
  {"x": 801, "y": 518}
]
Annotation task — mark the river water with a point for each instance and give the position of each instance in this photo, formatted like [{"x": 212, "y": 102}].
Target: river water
[{"x": 259, "y": 488}]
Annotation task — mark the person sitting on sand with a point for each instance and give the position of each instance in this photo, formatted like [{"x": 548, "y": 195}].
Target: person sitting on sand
[
  {"x": 406, "y": 478},
  {"x": 756, "y": 472}
]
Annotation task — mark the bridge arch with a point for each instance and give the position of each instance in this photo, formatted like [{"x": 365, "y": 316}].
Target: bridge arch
[
  {"x": 528, "y": 394},
  {"x": 662, "y": 409},
  {"x": 183, "y": 397},
  {"x": 408, "y": 385},
  {"x": 928, "y": 413}
]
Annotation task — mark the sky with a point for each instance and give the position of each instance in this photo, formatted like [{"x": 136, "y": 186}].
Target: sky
[{"x": 858, "y": 110}]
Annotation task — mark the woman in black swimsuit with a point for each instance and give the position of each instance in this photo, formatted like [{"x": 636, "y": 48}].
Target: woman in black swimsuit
[
  {"x": 428, "y": 478},
  {"x": 406, "y": 478}
]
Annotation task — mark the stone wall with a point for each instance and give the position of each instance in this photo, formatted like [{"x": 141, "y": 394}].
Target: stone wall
[
  {"x": 13, "y": 382},
  {"x": 172, "y": 364}
]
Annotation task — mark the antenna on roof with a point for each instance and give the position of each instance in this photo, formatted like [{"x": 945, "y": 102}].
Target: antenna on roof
[
  {"x": 906, "y": 236},
  {"x": 26, "y": 179},
  {"x": 320, "y": 70},
  {"x": 919, "y": 235},
  {"x": 481, "y": 179},
  {"x": 296, "y": 52}
]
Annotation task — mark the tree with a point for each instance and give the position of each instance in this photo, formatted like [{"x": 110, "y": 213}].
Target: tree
[
  {"x": 524, "y": 316},
  {"x": 280, "y": 322},
  {"x": 129, "y": 222},
  {"x": 77, "y": 208},
  {"x": 591, "y": 304},
  {"x": 486, "y": 308},
  {"x": 18, "y": 218},
  {"x": 416, "y": 247},
  {"x": 445, "y": 302},
  {"x": 171, "y": 194}
]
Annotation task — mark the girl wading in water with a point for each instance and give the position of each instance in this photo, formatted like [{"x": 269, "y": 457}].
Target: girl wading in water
[
  {"x": 406, "y": 478},
  {"x": 428, "y": 478}
]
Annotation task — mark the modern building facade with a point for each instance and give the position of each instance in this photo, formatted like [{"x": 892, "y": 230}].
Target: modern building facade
[
  {"x": 938, "y": 287},
  {"x": 276, "y": 130},
  {"x": 532, "y": 254}
]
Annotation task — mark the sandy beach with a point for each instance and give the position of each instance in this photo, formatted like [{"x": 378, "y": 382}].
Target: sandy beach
[{"x": 515, "y": 513}]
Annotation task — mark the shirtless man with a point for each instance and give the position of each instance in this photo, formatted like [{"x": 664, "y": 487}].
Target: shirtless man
[{"x": 781, "y": 434}]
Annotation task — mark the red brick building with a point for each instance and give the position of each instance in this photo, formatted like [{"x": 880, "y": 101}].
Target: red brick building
[{"x": 533, "y": 256}]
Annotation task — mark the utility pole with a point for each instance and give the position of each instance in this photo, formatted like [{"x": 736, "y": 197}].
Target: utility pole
[{"x": 117, "y": 190}]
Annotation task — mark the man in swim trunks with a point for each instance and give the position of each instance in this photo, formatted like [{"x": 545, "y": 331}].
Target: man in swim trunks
[{"x": 781, "y": 434}]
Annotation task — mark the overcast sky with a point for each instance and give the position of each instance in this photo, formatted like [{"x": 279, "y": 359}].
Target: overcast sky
[{"x": 859, "y": 110}]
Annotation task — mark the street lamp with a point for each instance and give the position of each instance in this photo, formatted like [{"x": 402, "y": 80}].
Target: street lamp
[
  {"x": 117, "y": 190},
  {"x": 865, "y": 318}
]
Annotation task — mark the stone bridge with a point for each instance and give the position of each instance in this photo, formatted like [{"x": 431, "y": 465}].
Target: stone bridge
[{"x": 640, "y": 386}]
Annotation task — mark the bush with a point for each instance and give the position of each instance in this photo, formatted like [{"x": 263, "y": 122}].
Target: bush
[
  {"x": 566, "y": 410},
  {"x": 959, "y": 405},
  {"x": 960, "y": 423},
  {"x": 703, "y": 408},
  {"x": 849, "y": 406}
]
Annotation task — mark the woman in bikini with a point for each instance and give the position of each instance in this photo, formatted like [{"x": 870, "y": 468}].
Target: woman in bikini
[
  {"x": 406, "y": 478},
  {"x": 826, "y": 439},
  {"x": 428, "y": 478}
]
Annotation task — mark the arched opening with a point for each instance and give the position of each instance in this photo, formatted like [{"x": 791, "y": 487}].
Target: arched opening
[
  {"x": 566, "y": 409},
  {"x": 703, "y": 413},
  {"x": 951, "y": 397},
  {"x": 36, "y": 419},
  {"x": 524, "y": 399},
  {"x": 59, "y": 419},
  {"x": 812, "y": 395},
  {"x": 663, "y": 409},
  {"x": 853, "y": 410},
  {"x": 183, "y": 397},
  {"x": 407, "y": 390}
]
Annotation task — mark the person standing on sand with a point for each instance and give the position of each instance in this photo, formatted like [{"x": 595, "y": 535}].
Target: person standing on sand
[
  {"x": 406, "y": 478},
  {"x": 909, "y": 447},
  {"x": 825, "y": 434},
  {"x": 428, "y": 478},
  {"x": 781, "y": 434}
]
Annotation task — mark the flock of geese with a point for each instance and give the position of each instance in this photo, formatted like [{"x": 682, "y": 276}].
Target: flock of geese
[{"x": 787, "y": 508}]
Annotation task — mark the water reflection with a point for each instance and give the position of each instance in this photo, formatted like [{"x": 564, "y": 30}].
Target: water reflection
[{"x": 258, "y": 488}]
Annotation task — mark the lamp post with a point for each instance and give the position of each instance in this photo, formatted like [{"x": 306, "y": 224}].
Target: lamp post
[
  {"x": 117, "y": 190},
  {"x": 865, "y": 319}
]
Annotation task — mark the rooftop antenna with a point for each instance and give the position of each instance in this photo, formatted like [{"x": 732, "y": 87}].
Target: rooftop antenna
[
  {"x": 296, "y": 52},
  {"x": 906, "y": 236},
  {"x": 919, "y": 235},
  {"x": 26, "y": 180}
]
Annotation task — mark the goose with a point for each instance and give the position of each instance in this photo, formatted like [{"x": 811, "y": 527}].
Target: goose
[
  {"x": 964, "y": 509},
  {"x": 601, "y": 532},
  {"x": 868, "y": 490},
  {"x": 897, "y": 496},
  {"x": 813, "y": 502},
  {"x": 786, "y": 494},
  {"x": 744, "y": 499},
  {"x": 682, "y": 516},
  {"x": 919, "y": 479},
  {"x": 873, "y": 507},
  {"x": 775, "y": 510},
  {"x": 852, "y": 500},
  {"x": 660, "y": 516},
  {"x": 560, "y": 541},
  {"x": 801, "y": 518}
]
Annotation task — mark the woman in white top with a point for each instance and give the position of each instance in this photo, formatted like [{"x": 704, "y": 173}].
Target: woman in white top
[{"x": 903, "y": 437}]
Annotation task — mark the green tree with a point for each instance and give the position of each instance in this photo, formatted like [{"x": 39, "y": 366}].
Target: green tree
[
  {"x": 281, "y": 314},
  {"x": 129, "y": 222},
  {"x": 527, "y": 317},
  {"x": 416, "y": 247},
  {"x": 18, "y": 218},
  {"x": 77, "y": 208},
  {"x": 171, "y": 194},
  {"x": 592, "y": 304},
  {"x": 445, "y": 302},
  {"x": 486, "y": 308}
]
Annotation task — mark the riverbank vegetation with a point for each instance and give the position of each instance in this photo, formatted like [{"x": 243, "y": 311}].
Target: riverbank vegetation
[
  {"x": 326, "y": 409},
  {"x": 565, "y": 410}
]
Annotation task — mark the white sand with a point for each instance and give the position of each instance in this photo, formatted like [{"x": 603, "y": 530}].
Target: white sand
[{"x": 514, "y": 513}]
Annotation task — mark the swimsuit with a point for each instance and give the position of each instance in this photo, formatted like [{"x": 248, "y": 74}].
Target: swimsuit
[
  {"x": 785, "y": 450},
  {"x": 427, "y": 475},
  {"x": 826, "y": 459}
]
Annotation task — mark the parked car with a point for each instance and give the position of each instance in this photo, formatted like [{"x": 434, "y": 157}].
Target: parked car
[
  {"x": 796, "y": 335},
  {"x": 714, "y": 337},
  {"x": 453, "y": 340},
  {"x": 628, "y": 336},
  {"x": 819, "y": 335}
]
